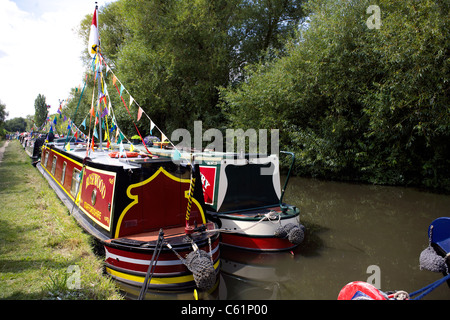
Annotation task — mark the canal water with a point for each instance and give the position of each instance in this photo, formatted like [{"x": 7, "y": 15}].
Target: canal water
[{"x": 353, "y": 232}]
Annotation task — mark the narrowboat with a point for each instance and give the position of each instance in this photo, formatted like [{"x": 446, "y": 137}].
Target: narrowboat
[
  {"x": 137, "y": 208},
  {"x": 243, "y": 195},
  {"x": 144, "y": 209}
]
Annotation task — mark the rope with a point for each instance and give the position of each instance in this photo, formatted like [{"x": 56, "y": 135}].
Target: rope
[
  {"x": 427, "y": 289},
  {"x": 152, "y": 266},
  {"x": 268, "y": 216}
]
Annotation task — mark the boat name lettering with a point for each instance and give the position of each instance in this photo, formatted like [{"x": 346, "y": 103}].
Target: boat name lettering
[
  {"x": 97, "y": 214},
  {"x": 95, "y": 180}
]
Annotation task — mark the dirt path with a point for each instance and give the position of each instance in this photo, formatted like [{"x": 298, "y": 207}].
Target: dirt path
[{"x": 2, "y": 150}]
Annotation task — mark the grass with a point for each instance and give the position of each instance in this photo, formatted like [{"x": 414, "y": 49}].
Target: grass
[{"x": 44, "y": 254}]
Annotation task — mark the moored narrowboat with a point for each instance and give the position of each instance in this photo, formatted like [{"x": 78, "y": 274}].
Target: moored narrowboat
[
  {"x": 124, "y": 203},
  {"x": 243, "y": 195}
]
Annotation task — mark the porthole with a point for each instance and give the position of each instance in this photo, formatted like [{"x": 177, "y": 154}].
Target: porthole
[{"x": 94, "y": 197}]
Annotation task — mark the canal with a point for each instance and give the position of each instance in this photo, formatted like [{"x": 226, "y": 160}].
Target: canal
[{"x": 354, "y": 232}]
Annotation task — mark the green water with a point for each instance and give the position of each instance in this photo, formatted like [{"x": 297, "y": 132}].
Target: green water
[{"x": 354, "y": 232}]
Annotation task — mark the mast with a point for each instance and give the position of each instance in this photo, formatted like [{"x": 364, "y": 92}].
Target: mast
[{"x": 99, "y": 83}]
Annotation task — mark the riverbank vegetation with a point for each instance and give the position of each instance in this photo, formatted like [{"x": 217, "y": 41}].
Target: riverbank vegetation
[
  {"x": 44, "y": 254},
  {"x": 358, "y": 89}
]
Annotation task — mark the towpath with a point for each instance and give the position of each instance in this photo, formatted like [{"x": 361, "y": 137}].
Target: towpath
[{"x": 2, "y": 150}]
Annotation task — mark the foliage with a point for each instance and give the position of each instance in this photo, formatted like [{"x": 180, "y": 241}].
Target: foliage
[
  {"x": 16, "y": 124},
  {"x": 40, "y": 110},
  {"x": 173, "y": 55},
  {"x": 358, "y": 103},
  {"x": 3, "y": 115}
]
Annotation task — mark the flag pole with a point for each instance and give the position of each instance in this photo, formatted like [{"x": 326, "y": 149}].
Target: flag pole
[{"x": 100, "y": 133}]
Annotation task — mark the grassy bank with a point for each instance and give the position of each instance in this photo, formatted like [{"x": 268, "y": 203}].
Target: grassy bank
[{"x": 44, "y": 254}]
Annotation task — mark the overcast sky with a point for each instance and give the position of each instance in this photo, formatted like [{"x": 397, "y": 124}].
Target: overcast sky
[{"x": 40, "y": 51}]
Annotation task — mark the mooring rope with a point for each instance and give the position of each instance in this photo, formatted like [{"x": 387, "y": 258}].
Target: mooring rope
[
  {"x": 152, "y": 265},
  {"x": 427, "y": 289},
  {"x": 268, "y": 216}
]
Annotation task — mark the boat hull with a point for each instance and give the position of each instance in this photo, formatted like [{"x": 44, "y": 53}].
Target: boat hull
[
  {"x": 124, "y": 203},
  {"x": 127, "y": 261},
  {"x": 257, "y": 232}
]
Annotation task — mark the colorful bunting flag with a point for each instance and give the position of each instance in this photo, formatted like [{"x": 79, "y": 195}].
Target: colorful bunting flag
[
  {"x": 93, "y": 36},
  {"x": 121, "y": 136},
  {"x": 139, "y": 115},
  {"x": 152, "y": 125},
  {"x": 105, "y": 112}
]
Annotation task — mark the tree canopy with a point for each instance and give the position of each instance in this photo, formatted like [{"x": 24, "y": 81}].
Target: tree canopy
[
  {"x": 40, "y": 110},
  {"x": 174, "y": 55},
  {"x": 359, "y": 103},
  {"x": 358, "y": 89}
]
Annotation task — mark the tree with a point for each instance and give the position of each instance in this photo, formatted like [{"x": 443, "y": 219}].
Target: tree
[
  {"x": 3, "y": 115},
  {"x": 40, "y": 110},
  {"x": 355, "y": 102},
  {"x": 16, "y": 124},
  {"x": 174, "y": 55}
]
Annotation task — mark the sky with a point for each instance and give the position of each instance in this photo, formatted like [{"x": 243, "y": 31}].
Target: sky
[{"x": 40, "y": 51}]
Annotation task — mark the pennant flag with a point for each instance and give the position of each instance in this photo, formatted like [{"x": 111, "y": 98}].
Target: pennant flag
[
  {"x": 121, "y": 150},
  {"x": 112, "y": 128},
  {"x": 105, "y": 112},
  {"x": 95, "y": 133},
  {"x": 131, "y": 100},
  {"x": 176, "y": 155},
  {"x": 131, "y": 147},
  {"x": 67, "y": 147},
  {"x": 139, "y": 115},
  {"x": 121, "y": 89},
  {"x": 93, "y": 36},
  {"x": 114, "y": 80},
  {"x": 55, "y": 120},
  {"x": 92, "y": 143},
  {"x": 65, "y": 118},
  {"x": 152, "y": 125},
  {"x": 84, "y": 123},
  {"x": 121, "y": 136}
]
